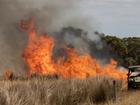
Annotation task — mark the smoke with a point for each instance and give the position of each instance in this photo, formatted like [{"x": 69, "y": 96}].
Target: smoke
[{"x": 50, "y": 16}]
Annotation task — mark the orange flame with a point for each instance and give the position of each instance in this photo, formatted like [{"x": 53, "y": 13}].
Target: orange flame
[{"x": 38, "y": 56}]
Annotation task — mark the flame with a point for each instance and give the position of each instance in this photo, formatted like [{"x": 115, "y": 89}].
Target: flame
[
  {"x": 39, "y": 51},
  {"x": 38, "y": 57}
]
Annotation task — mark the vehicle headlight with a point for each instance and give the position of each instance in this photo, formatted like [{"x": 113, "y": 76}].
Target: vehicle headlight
[{"x": 131, "y": 79}]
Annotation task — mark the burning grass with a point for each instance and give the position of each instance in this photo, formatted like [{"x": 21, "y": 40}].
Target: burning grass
[
  {"x": 55, "y": 92},
  {"x": 38, "y": 57},
  {"x": 51, "y": 83}
]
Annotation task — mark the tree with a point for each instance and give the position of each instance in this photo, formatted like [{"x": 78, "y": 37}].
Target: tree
[{"x": 117, "y": 45}]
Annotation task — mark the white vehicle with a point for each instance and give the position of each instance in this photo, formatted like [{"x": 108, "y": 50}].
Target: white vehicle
[{"x": 133, "y": 77}]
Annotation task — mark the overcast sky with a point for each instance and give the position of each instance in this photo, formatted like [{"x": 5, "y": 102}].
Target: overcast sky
[
  {"x": 117, "y": 17},
  {"x": 113, "y": 17}
]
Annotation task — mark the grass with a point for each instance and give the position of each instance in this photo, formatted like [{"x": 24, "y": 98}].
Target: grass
[
  {"x": 127, "y": 98},
  {"x": 39, "y": 91}
]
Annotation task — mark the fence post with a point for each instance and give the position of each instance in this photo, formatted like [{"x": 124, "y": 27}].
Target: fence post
[{"x": 114, "y": 90}]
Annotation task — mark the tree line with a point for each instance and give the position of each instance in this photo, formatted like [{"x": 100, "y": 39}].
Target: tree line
[{"x": 126, "y": 49}]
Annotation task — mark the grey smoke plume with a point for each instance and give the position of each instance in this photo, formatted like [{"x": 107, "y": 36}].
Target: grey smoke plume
[{"x": 50, "y": 16}]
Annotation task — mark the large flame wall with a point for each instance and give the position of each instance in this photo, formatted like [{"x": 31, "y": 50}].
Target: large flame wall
[{"x": 38, "y": 57}]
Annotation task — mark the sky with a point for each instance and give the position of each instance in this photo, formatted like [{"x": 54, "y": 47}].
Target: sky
[
  {"x": 113, "y": 17},
  {"x": 117, "y": 17}
]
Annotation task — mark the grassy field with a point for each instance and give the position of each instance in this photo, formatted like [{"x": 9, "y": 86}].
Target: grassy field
[{"x": 64, "y": 92}]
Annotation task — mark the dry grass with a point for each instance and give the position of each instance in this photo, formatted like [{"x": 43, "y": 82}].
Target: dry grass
[
  {"x": 57, "y": 92},
  {"x": 128, "y": 98}
]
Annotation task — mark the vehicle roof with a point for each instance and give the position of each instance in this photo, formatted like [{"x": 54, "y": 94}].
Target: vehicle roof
[{"x": 130, "y": 67}]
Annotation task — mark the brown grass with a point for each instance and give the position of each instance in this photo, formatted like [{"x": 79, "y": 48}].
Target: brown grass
[{"x": 57, "y": 92}]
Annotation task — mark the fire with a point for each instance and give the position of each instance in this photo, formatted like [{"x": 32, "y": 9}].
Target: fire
[
  {"x": 38, "y": 57},
  {"x": 39, "y": 51}
]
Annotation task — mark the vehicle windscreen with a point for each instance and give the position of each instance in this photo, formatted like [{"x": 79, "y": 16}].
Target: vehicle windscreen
[{"x": 136, "y": 72}]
